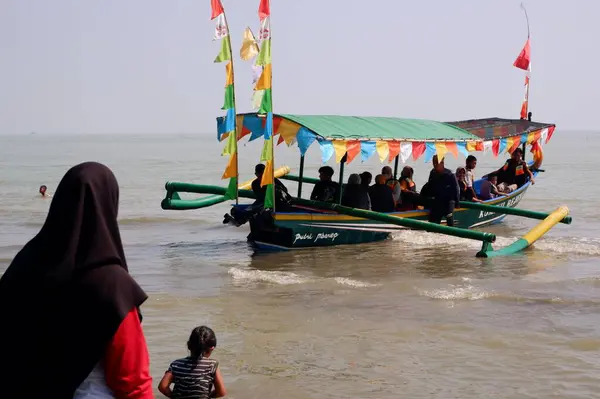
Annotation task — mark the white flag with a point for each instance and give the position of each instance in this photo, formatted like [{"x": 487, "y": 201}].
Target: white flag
[{"x": 221, "y": 29}]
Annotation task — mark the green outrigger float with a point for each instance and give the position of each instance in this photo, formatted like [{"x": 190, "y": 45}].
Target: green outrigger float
[{"x": 316, "y": 224}]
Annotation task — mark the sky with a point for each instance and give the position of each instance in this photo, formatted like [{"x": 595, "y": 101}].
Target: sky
[{"x": 146, "y": 66}]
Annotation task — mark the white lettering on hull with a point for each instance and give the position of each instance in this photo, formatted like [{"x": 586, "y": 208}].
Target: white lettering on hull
[
  {"x": 313, "y": 238},
  {"x": 510, "y": 204}
]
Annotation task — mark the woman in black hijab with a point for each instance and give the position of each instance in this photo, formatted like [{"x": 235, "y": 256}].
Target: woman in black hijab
[{"x": 69, "y": 314}]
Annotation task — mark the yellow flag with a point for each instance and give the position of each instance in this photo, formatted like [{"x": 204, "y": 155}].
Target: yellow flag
[{"x": 249, "y": 48}]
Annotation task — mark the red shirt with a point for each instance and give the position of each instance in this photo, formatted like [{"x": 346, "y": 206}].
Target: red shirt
[{"x": 126, "y": 361}]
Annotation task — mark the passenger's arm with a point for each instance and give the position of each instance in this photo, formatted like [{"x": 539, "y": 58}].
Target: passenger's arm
[
  {"x": 165, "y": 384},
  {"x": 219, "y": 390},
  {"x": 126, "y": 362},
  {"x": 528, "y": 171}
]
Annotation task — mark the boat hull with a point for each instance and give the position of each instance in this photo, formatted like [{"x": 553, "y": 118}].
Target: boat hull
[{"x": 306, "y": 230}]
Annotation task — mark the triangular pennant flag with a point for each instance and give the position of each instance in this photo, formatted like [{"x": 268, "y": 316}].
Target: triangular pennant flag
[
  {"x": 228, "y": 103},
  {"x": 394, "y": 147},
  {"x": 266, "y": 104},
  {"x": 257, "y": 98},
  {"x": 216, "y": 8},
  {"x": 231, "y": 170},
  {"x": 487, "y": 146},
  {"x": 502, "y": 146},
  {"x": 229, "y": 72},
  {"x": 405, "y": 151},
  {"x": 430, "y": 151},
  {"x": 367, "y": 149},
  {"x": 340, "y": 150},
  {"x": 264, "y": 82},
  {"x": 269, "y": 126},
  {"x": 353, "y": 149},
  {"x": 452, "y": 148},
  {"x": 496, "y": 147},
  {"x": 550, "y": 132},
  {"x": 264, "y": 56},
  {"x": 249, "y": 48},
  {"x": 221, "y": 29},
  {"x": 327, "y": 150},
  {"x": 267, "y": 151},
  {"x": 418, "y": 149},
  {"x": 440, "y": 150},
  {"x": 264, "y": 9},
  {"x": 524, "y": 57},
  {"x": 225, "y": 53},
  {"x": 383, "y": 150},
  {"x": 267, "y": 177},
  {"x": 305, "y": 139},
  {"x": 265, "y": 29}
]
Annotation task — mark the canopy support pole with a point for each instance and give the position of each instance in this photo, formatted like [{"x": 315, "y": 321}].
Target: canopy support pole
[
  {"x": 396, "y": 167},
  {"x": 523, "y": 151},
  {"x": 341, "y": 181},
  {"x": 300, "y": 176}
]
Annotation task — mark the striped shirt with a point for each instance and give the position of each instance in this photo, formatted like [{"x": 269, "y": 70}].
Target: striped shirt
[{"x": 193, "y": 378}]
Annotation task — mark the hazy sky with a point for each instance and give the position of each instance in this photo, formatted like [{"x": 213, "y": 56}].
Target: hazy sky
[{"x": 137, "y": 66}]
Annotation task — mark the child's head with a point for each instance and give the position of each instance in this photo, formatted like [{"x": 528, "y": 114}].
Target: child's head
[
  {"x": 471, "y": 162},
  {"x": 493, "y": 179},
  {"x": 202, "y": 341}
]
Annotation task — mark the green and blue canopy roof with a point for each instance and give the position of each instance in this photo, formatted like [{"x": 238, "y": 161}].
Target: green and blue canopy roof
[{"x": 389, "y": 136}]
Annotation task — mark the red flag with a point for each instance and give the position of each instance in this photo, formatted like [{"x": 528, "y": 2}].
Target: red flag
[
  {"x": 524, "y": 57},
  {"x": 496, "y": 147},
  {"x": 217, "y": 8},
  {"x": 264, "y": 9},
  {"x": 418, "y": 149}
]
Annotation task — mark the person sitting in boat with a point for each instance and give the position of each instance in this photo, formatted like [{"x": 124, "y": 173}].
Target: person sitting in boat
[
  {"x": 408, "y": 189},
  {"x": 281, "y": 192},
  {"x": 326, "y": 190},
  {"x": 470, "y": 165},
  {"x": 365, "y": 179},
  {"x": 444, "y": 188},
  {"x": 355, "y": 194},
  {"x": 465, "y": 194},
  {"x": 382, "y": 196},
  {"x": 514, "y": 173},
  {"x": 489, "y": 189},
  {"x": 392, "y": 182}
]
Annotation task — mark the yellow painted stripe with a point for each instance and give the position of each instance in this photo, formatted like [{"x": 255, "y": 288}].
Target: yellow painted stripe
[{"x": 555, "y": 217}]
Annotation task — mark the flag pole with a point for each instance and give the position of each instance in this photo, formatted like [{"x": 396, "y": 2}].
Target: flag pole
[
  {"x": 528, "y": 72},
  {"x": 235, "y": 127}
]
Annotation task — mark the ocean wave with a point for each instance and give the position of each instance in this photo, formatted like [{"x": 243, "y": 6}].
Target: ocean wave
[
  {"x": 354, "y": 283},
  {"x": 290, "y": 278},
  {"x": 274, "y": 277},
  {"x": 560, "y": 245},
  {"x": 453, "y": 293}
]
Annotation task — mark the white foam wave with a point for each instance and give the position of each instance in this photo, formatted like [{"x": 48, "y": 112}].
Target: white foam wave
[
  {"x": 468, "y": 292},
  {"x": 560, "y": 245},
  {"x": 354, "y": 283},
  {"x": 274, "y": 277},
  {"x": 570, "y": 245}
]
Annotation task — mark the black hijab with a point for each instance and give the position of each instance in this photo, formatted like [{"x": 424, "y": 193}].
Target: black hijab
[{"x": 67, "y": 291}]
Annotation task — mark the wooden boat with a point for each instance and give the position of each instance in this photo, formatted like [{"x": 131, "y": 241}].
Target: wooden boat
[
  {"x": 309, "y": 223},
  {"x": 312, "y": 224}
]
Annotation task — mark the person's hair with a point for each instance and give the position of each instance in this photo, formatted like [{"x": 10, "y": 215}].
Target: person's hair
[
  {"x": 201, "y": 340},
  {"x": 366, "y": 176},
  {"x": 326, "y": 170},
  {"x": 471, "y": 158},
  {"x": 407, "y": 171},
  {"x": 44, "y": 187},
  {"x": 260, "y": 168},
  {"x": 354, "y": 178},
  {"x": 437, "y": 161},
  {"x": 519, "y": 150},
  {"x": 460, "y": 169},
  {"x": 386, "y": 170},
  {"x": 380, "y": 179},
  {"x": 491, "y": 176}
]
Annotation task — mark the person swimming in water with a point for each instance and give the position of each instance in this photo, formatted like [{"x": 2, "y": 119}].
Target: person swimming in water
[{"x": 44, "y": 191}]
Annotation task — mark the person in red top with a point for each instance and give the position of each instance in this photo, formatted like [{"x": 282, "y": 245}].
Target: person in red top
[{"x": 71, "y": 325}]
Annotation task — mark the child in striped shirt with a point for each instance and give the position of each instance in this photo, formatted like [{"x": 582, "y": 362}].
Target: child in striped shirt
[{"x": 195, "y": 376}]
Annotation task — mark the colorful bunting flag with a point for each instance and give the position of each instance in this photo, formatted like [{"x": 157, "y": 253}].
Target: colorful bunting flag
[
  {"x": 418, "y": 149},
  {"x": 383, "y": 150},
  {"x": 229, "y": 126},
  {"x": 250, "y": 47},
  {"x": 430, "y": 151},
  {"x": 394, "y": 150},
  {"x": 327, "y": 150},
  {"x": 524, "y": 57},
  {"x": 406, "y": 150},
  {"x": 352, "y": 149},
  {"x": 367, "y": 149}
]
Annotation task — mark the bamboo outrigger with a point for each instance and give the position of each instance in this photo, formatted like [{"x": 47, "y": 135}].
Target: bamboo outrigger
[{"x": 312, "y": 224}]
